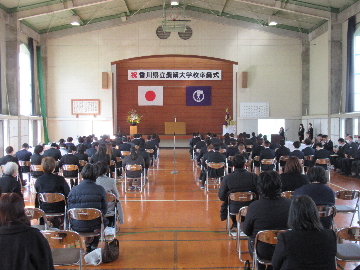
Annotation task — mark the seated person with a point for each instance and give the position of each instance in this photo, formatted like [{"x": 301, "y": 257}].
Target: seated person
[
  {"x": 297, "y": 152},
  {"x": 270, "y": 212},
  {"x": 318, "y": 191},
  {"x": 70, "y": 159},
  {"x": 142, "y": 152},
  {"x": 308, "y": 151},
  {"x": 88, "y": 195},
  {"x": 293, "y": 178},
  {"x": 81, "y": 155},
  {"x": 9, "y": 182},
  {"x": 22, "y": 246},
  {"x": 50, "y": 182},
  {"x": 307, "y": 245},
  {"x": 321, "y": 153},
  {"x": 267, "y": 153},
  {"x": 24, "y": 155},
  {"x": 36, "y": 159},
  {"x": 239, "y": 181},
  {"x": 282, "y": 151},
  {"x": 256, "y": 151},
  {"x": 328, "y": 144},
  {"x": 9, "y": 157},
  {"x": 133, "y": 159}
]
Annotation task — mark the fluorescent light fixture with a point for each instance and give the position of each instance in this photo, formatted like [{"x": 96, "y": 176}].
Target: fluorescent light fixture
[
  {"x": 272, "y": 23},
  {"x": 75, "y": 20},
  {"x": 174, "y": 2}
]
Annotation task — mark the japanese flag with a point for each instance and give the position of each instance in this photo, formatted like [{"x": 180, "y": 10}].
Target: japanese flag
[{"x": 150, "y": 95}]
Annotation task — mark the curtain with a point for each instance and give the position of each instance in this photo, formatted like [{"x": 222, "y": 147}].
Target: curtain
[
  {"x": 42, "y": 94},
  {"x": 32, "y": 67},
  {"x": 349, "y": 105}
]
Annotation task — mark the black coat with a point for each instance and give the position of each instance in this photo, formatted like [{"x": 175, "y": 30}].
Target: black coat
[
  {"x": 292, "y": 181},
  {"x": 305, "y": 250},
  {"x": 70, "y": 159},
  {"x": 53, "y": 152},
  {"x": 90, "y": 152},
  {"x": 36, "y": 159},
  {"x": 24, "y": 248},
  {"x": 320, "y": 154},
  {"x": 10, "y": 184},
  {"x": 267, "y": 153},
  {"x": 52, "y": 183},
  {"x": 297, "y": 153},
  {"x": 87, "y": 195},
  {"x": 23, "y": 155}
]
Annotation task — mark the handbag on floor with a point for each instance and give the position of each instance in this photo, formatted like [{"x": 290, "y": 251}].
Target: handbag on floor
[{"x": 110, "y": 252}]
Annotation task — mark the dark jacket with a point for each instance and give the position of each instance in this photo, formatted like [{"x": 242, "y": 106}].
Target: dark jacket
[
  {"x": 90, "y": 152},
  {"x": 267, "y": 153},
  {"x": 23, "y": 155},
  {"x": 305, "y": 250},
  {"x": 52, "y": 183},
  {"x": 53, "y": 152},
  {"x": 87, "y": 195},
  {"x": 128, "y": 161},
  {"x": 292, "y": 181},
  {"x": 142, "y": 152},
  {"x": 24, "y": 248},
  {"x": 297, "y": 153},
  {"x": 95, "y": 158},
  {"x": 10, "y": 184}
]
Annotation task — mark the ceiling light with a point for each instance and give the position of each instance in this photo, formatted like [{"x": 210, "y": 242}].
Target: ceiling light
[
  {"x": 174, "y": 2},
  {"x": 75, "y": 20}
]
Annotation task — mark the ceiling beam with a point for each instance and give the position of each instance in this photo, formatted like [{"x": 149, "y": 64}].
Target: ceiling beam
[
  {"x": 59, "y": 7},
  {"x": 224, "y": 6},
  {"x": 291, "y": 8}
]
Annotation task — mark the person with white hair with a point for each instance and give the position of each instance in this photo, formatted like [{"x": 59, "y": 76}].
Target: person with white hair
[{"x": 9, "y": 182}]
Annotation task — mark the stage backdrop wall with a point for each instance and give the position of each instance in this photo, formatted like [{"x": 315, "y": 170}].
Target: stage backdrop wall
[{"x": 197, "y": 118}]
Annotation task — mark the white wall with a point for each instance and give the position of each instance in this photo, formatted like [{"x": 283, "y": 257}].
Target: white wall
[
  {"x": 75, "y": 64},
  {"x": 319, "y": 82}
]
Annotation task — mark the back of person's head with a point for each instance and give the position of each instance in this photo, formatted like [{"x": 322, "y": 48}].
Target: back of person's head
[
  {"x": 202, "y": 137},
  {"x": 319, "y": 135},
  {"x": 324, "y": 136},
  {"x": 208, "y": 141},
  {"x": 253, "y": 134},
  {"x": 282, "y": 142},
  {"x": 241, "y": 146},
  {"x": 94, "y": 144},
  {"x": 310, "y": 124},
  {"x": 101, "y": 151},
  {"x": 69, "y": 139},
  {"x": 216, "y": 146},
  {"x": 9, "y": 150},
  {"x": 214, "y": 135},
  {"x": 25, "y": 145},
  {"x": 62, "y": 145},
  {"x": 293, "y": 165},
  {"x": 266, "y": 143},
  {"x": 307, "y": 141},
  {"x": 12, "y": 210},
  {"x": 260, "y": 141},
  {"x": 319, "y": 145},
  {"x": 133, "y": 153},
  {"x": 71, "y": 148},
  {"x": 48, "y": 164},
  {"x": 296, "y": 144},
  {"x": 239, "y": 161},
  {"x": 90, "y": 172},
  {"x": 103, "y": 167},
  {"x": 269, "y": 185},
  {"x": 61, "y": 141},
  {"x": 11, "y": 168},
  {"x": 341, "y": 140},
  {"x": 38, "y": 149},
  {"x": 303, "y": 214},
  {"x": 317, "y": 174},
  {"x": 210, "y": 147},
  {"x": 81, "y": 148},
  {"x": 81, "y": 139},
  {"x": 54, "y": 145},
  {"x": 233, "y": 143},
  {"x": 148, "y": 137}
]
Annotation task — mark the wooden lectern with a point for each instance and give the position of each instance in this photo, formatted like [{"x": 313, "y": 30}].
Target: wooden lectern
[
  {"x": 175, "y": 127},
  {"x": 133, "y": 130}
]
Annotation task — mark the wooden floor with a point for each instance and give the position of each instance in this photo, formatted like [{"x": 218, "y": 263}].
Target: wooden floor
[{"x": 174, "y": 224}]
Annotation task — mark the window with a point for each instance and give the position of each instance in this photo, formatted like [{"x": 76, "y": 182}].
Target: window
[
  {"x": 270, "y": 126},
  {"x": 25, "y": 81}
]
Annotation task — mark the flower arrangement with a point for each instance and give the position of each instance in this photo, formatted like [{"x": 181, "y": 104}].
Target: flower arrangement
[
  {"x": 133, "y": 117},
  {"x": 227, "y": 117}
]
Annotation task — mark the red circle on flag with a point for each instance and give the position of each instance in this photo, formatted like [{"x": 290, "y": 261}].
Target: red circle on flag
[{"x": 150, "y": 95}]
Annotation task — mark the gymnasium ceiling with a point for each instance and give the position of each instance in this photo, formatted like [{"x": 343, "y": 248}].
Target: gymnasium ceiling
[{"x": 302, "y": 16}]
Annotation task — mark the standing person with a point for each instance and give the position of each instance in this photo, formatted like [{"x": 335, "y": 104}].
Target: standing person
[
  {"x": 311, "y": 131},
  {"x": 22, "y": 246},
  {"x": 307, "y": 246},
  {"x": 270, "y": 212},
  {"x": 282, "y": 132},
  {"x": 318, "y": 191},
  {"x": 88, "y": 195},
  {"x": 301, "y": 133},
  {"x": 239, "y": 181}
]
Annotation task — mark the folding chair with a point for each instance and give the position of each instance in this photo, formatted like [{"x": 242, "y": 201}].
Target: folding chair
[
  {"x": 248, "y": 148},
  {"x": 38, "y": 169},
  {"x": 324, "y": 161},
  {"x": 269, "y": 237},
  {"x": 287, "y": 194},
  {"x": 112, "y": 164},
  {"x": 229, "y": 169},
  {"x": 308, "y": 162},
  {"x": 82, "y": 164},
  {"x": 53, "y": 198},
  {"x": 139, "y": 181},
  {"x": 214, "y": 181},
  {"x": 239, "y": 234},
  {"x": 257, "y": 159},
  {"x": 25, "y": 164},
  {"x": 222, "y": 150},
  {"x": 152, "y": 156},
  {"x": 282, "y": 162},
  {"x": 112, "y": 201},
  {"x": 348, "y": 195},
  {"x": 268, "y": 162},
  {"x": 87, "y": 214},
  {"x": 326, "y": 211},
  {"x": 245, "y": 197},
  {"x": 37, "y": 213},
  {"x": 346, "y": 250},
  {"x": 66, "y": 247},
  {"x": 125, "y": 153},
  {"x": 71, "y": 169}
]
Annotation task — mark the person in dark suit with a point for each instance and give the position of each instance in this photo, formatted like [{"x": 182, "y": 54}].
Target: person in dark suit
[
  {"x": 216, "y": 157},
  {"x": 318, "y": 139},
  {"x": 239, "y": 181},
  {"x": 311, "y": 131},
  {"x": 339, "y": 151},
  {"x": 318, "y": 191},
  {"x": 136, "y": 139},
  {"x": 152, "y": 143},
  {"x": 256, "y": 151},
  {"x": 36, "y": 159},
  {"x": 231, "y": 151},
  {"x": 70, "y": 159},
  {"x": 126, "y": 145},
  {"x": 92, "y": 150},
  {"x": 307, "y": 246},
  {"x": 301, "y": 133},
  {"x": 293, "y": 178},
  {"x": 270, "y": 212},
  {"x": 282, "y": 132},
  {"x": 69, "y": 141},
  {"x": 24, "y": 155},
  {"x": 297, "y": 152},
  {"x": 267, "y": 153},
  {"x": 10, "y": 158},
  {"x": 282, "y": 151},
  {"x": 308, "y": 151},
  {"x": 328, "y": 144},
  {"x": 321, "y": 153},
  {"x": 350, "y": 150},
  {"x": 53, "y": 151}
]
